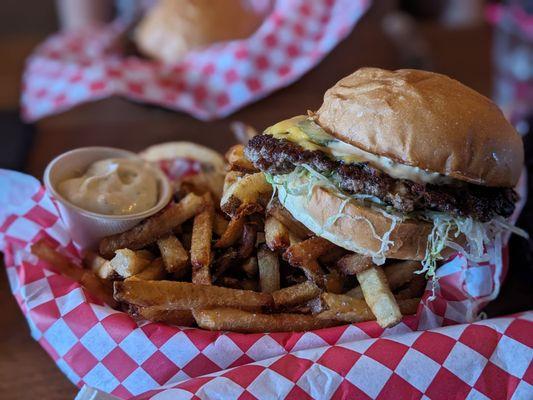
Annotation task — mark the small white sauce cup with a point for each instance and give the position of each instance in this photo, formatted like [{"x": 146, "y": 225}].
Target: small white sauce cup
[{"x": 87, "y": 228}]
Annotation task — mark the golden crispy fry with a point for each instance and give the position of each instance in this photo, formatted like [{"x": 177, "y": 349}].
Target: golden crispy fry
[
  {"x": 101, "y": 289},
  {"x": 379, "y": 297},
  {"x": 397, "y": 275},
  {"x": 279, "y": 212},
  {"x": 304, "y": 254},
  {"x": 400, "y": 273},
  {"x": 224, "y": 263},
  {"x": 309, "y": 249},
  {"x": 188, "y": 296},
  {"x": 250, "y": 267},
  {"x": 86, "y": 278},
  {"x": 332, "y": 257},
  {"x": 60, "y": 262},
  {"x": 334, "y": 282},
  {"x": 225, "y": 319},
  {"x": 415, "y": 288},
  {"x": 276, "y": 234},
  {"x": 231, "y": 234},
  {"x": 231, "y": 178},
  {"x": 247, "y": 195},
  {"x": 154, "y": 271},
  {"x": 353, "y": 263},
  {"x": 220, "y": 224},
  {"x": 356, "y": 293},
  {"x": 248, "y": 241},
  {"x": 127, "y": 262},
  {"x": 269, "y": 279},
  {"x": 160, "y": 314},
  {"x": 153, "y": 228},
  {"x": 249, "y": 284},
  {"x": 238, "y": 161},
  {"x": 174, "y": 255},
  {"x": 295, "y": 295},
  {"x": 409, "y": 306},
  {"x": 345, "y": 308},
  {"x": 202, "y": 232},
  {"x": 100, "y": 266}
]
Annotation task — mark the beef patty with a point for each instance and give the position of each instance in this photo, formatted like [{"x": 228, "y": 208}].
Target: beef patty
[{"x": 280, "y": 156}]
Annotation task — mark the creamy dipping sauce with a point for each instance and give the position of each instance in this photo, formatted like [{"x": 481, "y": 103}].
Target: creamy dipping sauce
[{"x": 114, "y": 186}]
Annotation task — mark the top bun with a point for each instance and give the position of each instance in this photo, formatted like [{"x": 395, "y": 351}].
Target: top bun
[
  {"x": 173, "y": 27},
  {"x": 425, "y": 120}
]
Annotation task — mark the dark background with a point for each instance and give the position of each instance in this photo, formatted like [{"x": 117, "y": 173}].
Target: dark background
[{"x": 461, "y": 52}]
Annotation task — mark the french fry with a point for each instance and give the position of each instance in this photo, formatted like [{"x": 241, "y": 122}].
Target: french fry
[
  {"x": 400, "y": 273},
  {"x": 415, "y": 288},
  {"x": 347, "y": 309},
  {"x": 295, "y": 295},
  {"x": 247, "y": 195},
  {"x": 101, "y": 289},
  {"x": 332, "y": 257},
  {"x": 153, "y": 228},
  {"x": 269, "y": 279},
  {"x": 232, "y": 233},
  {"x": 355, "y": 292},
  {"x": 248, "y": 240},
  {"x": 353, "y": 263},
  {"x": 397, "y": 275},
  {"x": 309, "y": 249},
  {"x": 227, "y": 319},
  {"x": 379, "y": 297},
  {"x": 127, "y": 262},
  {"x": 100, "y": 266},
  {"x": 276, "y": 234},
  {"x": 224, "y": 263},
  {"x": 65, "y": 267},
  {"x": 154, "y": 271},
  {"x": 60, "y": 262},
  {"x": 409, "y": 306},
  {"x": 279, "y": 212},
  {"x": 174, "y": 255},
  {"x": 220, "y": 224},
  {"x": 237, "y": 160},
  {"x": 160, "y": 314},
  {"x": 250, "y": 267},
  {"x": 231, "y": 178},
  {"x": 202, "y": 232},
  {"x": 334, "y": 282},
  {"x": 304, "y": 254},
  {"x": 188, "y": 296}
]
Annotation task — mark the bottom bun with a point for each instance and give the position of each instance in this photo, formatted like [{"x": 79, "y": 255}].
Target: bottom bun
[{"x": 357, "y": 227}]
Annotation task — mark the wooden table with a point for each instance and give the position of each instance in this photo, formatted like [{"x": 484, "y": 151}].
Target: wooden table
[{"x": 26, "y": 372}]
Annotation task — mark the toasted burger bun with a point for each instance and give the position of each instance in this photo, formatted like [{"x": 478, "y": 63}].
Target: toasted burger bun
[
  {"x": 426, "y": 120},
  {"x": 174, "y": 27},
  {"x": 359, "y": 227}
]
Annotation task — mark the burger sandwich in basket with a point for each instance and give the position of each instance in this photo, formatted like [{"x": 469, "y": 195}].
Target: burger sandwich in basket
[{"x": 406, "y": 164}]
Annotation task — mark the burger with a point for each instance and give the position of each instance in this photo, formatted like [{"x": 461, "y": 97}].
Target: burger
[{"x": 405, "y": 164}]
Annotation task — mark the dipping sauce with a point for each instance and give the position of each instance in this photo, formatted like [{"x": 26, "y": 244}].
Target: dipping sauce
[{"x": 114, "y": 186}]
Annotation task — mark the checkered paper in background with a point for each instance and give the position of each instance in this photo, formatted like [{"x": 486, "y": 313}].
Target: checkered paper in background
[
  {"x": 73, "y": 68},
  {"x": 106, "y": 349}
]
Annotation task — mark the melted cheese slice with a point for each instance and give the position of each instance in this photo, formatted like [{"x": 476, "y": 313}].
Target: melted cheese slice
[{"x": 310, "y": 136}]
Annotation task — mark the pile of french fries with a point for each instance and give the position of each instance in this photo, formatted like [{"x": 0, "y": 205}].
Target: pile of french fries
[{"x": 243, "y": 265}]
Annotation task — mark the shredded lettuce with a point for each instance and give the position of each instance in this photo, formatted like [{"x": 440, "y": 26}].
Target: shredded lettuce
[{"x": 482, "y": 240}]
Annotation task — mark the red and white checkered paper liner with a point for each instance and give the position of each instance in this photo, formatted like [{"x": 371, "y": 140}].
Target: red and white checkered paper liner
[
  {"x": 72, "y": 68},
  {"x": 106, "y": 349}
]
